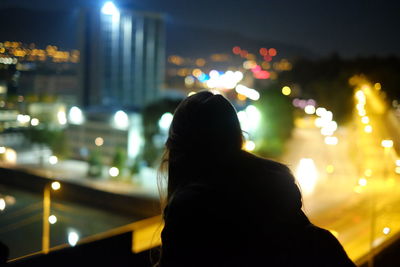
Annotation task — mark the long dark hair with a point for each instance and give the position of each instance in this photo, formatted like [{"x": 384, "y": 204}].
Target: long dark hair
[{"x": 205, "y": 127}]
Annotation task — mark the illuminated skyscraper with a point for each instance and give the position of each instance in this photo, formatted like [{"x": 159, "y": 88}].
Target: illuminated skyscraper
[{"x": 122, "y": 54}]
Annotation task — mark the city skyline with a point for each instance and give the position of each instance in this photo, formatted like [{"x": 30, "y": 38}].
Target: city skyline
[{"x": 359, "y": 28}]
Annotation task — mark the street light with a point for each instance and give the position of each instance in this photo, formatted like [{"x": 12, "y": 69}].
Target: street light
[
  {"x": 47, "y": 219},
  {"x": 109, "y": 9}
]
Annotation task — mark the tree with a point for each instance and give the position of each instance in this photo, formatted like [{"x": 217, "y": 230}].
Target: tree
[
  {"x": 276, "y": 122},
  {"x": 95, "y": 163}
]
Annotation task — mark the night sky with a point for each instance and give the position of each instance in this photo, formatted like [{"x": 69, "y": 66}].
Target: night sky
[{"x": 349, "y": 27}]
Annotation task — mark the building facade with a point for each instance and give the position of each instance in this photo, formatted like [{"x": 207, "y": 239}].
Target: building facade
[{"x": 123, "y": 58}]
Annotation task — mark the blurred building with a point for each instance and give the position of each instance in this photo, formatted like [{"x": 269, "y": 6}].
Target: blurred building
[{"x": 122, "y": 52}]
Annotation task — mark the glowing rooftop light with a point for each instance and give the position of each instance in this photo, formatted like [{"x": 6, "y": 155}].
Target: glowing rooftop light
[
  {"x": 73, "y": 238},
  {"x": 75, "y": 116},
  {"x": 109, "y": 9}
]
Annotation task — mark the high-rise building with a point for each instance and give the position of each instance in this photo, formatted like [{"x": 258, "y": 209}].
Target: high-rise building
[{"x": 122, "y": 55}]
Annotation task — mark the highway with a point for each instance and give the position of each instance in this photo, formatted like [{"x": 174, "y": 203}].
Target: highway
[{"x": 356, "y": 192}]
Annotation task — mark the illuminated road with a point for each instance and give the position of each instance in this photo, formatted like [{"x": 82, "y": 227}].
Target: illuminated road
[{"x": 361, "y": 191}]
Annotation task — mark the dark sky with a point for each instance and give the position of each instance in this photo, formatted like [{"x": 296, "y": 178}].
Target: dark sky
[{"x": 350, "y": 27}]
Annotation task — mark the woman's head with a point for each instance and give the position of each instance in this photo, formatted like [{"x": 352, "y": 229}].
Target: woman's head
[
  {"x": 205, "y": 127},
  {"x": 204, "y": 123}
]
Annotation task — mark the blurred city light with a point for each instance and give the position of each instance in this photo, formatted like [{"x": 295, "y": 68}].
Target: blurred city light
[
  {"x": 109, "y": 9},
  {"x": 61, "y": 117},
  {"x": 99, "y": 141},
  {"x": 330, "y": 169},
  {"x": 165, "y": 121},
  {"x": 53, "y": 160},
  {"x": 191, "y": 93},
  {"x": 286, "y": 90},
  {"x": 2, "y": 149},
  {"x": 55, "y": 185},
  {"x": 387, "y": 143},
  {"x": 121, "y": 120},
  {"x": 248, "y": 92},
  {"x": 114, "y": 171},
  {"x": 2, "y": 204},
  {"x": 331, "y": 140},
  {"x": 52, "y": 219},
  {"x": 378, "y": 86},
  {"x": 73, "y": 238},
  {"x": 75, "y": 116},
  {"x": 10, "y": 156},
  {"x": 386, "y": 230},
  {"x": 365, "y": 120},
  {"x": 368, "y": 172},
  {"x": 249, "y": 145},
  {"x": 309, "y": 109},
  {"x": 368, "y": 129},
  {"x": 34, "y": 122},
  {"x": 320, "y": 111},
  {"x": 362, "y": 181},
  {"x": 307, "y": 175}
]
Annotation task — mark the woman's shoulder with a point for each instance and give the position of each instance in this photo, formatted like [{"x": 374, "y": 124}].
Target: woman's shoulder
[{"x": 262, "y": 164}]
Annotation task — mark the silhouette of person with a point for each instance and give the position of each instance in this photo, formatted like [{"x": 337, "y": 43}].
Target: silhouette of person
[{"x": 227, "y": 207}]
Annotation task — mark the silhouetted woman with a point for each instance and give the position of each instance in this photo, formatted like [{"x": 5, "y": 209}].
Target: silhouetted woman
[{"x": 227, "y": 207}]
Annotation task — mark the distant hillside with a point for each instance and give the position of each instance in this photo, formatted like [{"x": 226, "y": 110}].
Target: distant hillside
[{"x": 194, "y": 42}]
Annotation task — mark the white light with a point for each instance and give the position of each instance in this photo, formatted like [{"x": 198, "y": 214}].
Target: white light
[
  {"x": 165, "y": 121},
  {"x": 53, "y": 160},
  {"x": 11, "y": 156},
  {"x": 307, "y": 175},
  {"x": 62, "y": 117},
  {"x": 320, "y": 111},
  {"x": 55, "y": 185},
  {"x": 23, "y": 118},
  {"x": 331, "y": 140},
  {"x": 248, "y": 92},
  {"x": 2, "y": 149},
  {"x": 386, "y": 230},
  {"x": 73, "y": 238},
  {"x": 75, "y": 116},
  {"x": 249, "y": 145},
  {"x": 113, "y": 171},
  {"x": 387, "y": 143},
  {"x": 34, "y": 122},
  {"x": 121, "y": 120},
  {"x": 368, "y": 128},
  {"x": 52, "y": 219},
  {"x": 253, "y": 117},
  {"x": 2, "y": 204},
  {"x": 362, "y": 182},
  {"x": 309, "y": 109},
  {"x": 109, "y": 9},
  {"x": 365, "y": 120}
]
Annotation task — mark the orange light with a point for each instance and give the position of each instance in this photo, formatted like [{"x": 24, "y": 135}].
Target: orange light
[{"x": 272, "y": 52}]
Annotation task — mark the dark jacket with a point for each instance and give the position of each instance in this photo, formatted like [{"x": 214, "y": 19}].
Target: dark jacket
[{"x": 248, "y": 213}]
